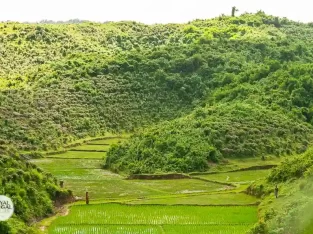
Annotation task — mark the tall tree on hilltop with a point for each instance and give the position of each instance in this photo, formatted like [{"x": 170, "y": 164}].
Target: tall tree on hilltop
[{"x": 233, "y": 11}]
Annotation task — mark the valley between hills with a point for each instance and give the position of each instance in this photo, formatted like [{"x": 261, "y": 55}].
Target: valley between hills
[{"x": 170, "y": 128}]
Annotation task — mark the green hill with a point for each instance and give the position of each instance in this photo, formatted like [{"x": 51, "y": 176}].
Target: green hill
[
  {"x": 194, "y": 94},
  {"x": 62, "y": 82},
  {"x": 209, "y": 134}
]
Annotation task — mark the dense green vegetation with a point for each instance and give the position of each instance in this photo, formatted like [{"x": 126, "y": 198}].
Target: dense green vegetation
[
  {"x": 31, "y": 190},
  {"x": 209, "y": 134},
  {"x": 257, "y": 76},
  {"x": 199, "y": 93},
  {"x": 292, "y": 211},
  {"x": 89, "y": 80},
  {"x": 61, "y": 82}
]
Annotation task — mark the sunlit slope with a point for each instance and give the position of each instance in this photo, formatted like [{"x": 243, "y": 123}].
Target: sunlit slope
[
  {"x": 64, "y": 82},
  {"x": 209, "y": 135},
  {"x": 291, "y": 212}
]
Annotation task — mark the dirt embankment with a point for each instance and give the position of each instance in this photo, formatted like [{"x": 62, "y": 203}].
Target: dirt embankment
[
  {"x": 64, "y": 197},
  {"x": 252, "y": 168},
  {"x": 158, "y": 176}
]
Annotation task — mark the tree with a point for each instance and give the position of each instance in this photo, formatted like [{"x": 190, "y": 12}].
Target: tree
[{"x": 233, "y": 11}]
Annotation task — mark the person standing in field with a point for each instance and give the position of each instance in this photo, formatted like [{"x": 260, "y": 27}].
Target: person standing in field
[{"x": 276, "y": 191}]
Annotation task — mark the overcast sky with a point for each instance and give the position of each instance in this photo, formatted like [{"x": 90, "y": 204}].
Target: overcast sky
[{"x": 147, "y": 11}]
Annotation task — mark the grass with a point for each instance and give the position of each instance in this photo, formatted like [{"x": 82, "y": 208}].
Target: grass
[
  {"x": 150, "y": 206},
  {"x": 107, "y": 141},
  {"x": 91, "y": 147},
  {"x": 106, "y": 229},
  {"x": 54, "y": 165},
  {"x": 85, "y": 174},
  {"x": 116, "y": 214},
  {"x": 237, "y": 177},
  {"x": 308, "y": 229},
  {"x": 73, "y": 169},
  {"x": 109, "y": 189},
  {"x": 79, "y": 155},
  {"x": 180, "y": 186},
  {"x": 206, "y": 199},
  {"x": 236, "y": 164},
  {"x": 206, "y": 229},
  {"x": 88, "y": 139},
  {"x": 149, "y": 229}
]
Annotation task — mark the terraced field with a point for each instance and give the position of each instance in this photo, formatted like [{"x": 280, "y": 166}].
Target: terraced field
[
  {"x": 237, "y": 176},
  {"x": 101, "y": 148},
  {"x": 79, "y": 155},
  {"x": 218, "y": 199},
  {"x": 203, "y": 203},
  {"x": 156, "y": 219},
  {"x": 146, "y": 229}
]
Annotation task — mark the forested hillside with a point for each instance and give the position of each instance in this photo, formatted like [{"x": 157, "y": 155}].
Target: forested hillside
[
  {"x": 32, "y": 191},
  {"x": 268, "y": 68},
  {"x": 62, "y": 82},
  {"x": 209, "y": 134}
]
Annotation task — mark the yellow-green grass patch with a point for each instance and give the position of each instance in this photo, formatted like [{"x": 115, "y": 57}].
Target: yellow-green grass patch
[
  {"x": 79, "y": 155},
  {"x": 116, "y": 214},
  {"x": 237, "y": 164},
  {"x": 205, "y": 199},
  {"x": 109, "y": 141},
  {"x": 206, "y": 229},
  {"x": 180, "y": 186},
  {"x": 107, "y": 186},
  {"x": 55, "y": 164},
  {"x": 110, "y": 189},
  {"x": 91, "y": 147},
  {"x": 150, "y": 229},
  {"x": 237, "y": 177}
]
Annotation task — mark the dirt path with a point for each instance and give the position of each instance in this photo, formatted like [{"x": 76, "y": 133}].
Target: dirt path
[{"x": 44, "y": 224}]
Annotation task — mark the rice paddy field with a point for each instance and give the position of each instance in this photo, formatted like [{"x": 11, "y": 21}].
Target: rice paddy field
[
  {"x": 237, "y": 177},
  {"x": 180, "y": 186},
  {"x": 108, "y": 141},
  {"x": 203, "y": 203},
  {"x": 219, "y": 199},
  {"x": 156, "y": 219},
  {"x": 91, "y": 148},
  {"x": 79, "y": 155},
  {"x": 146, "y": 229}
]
